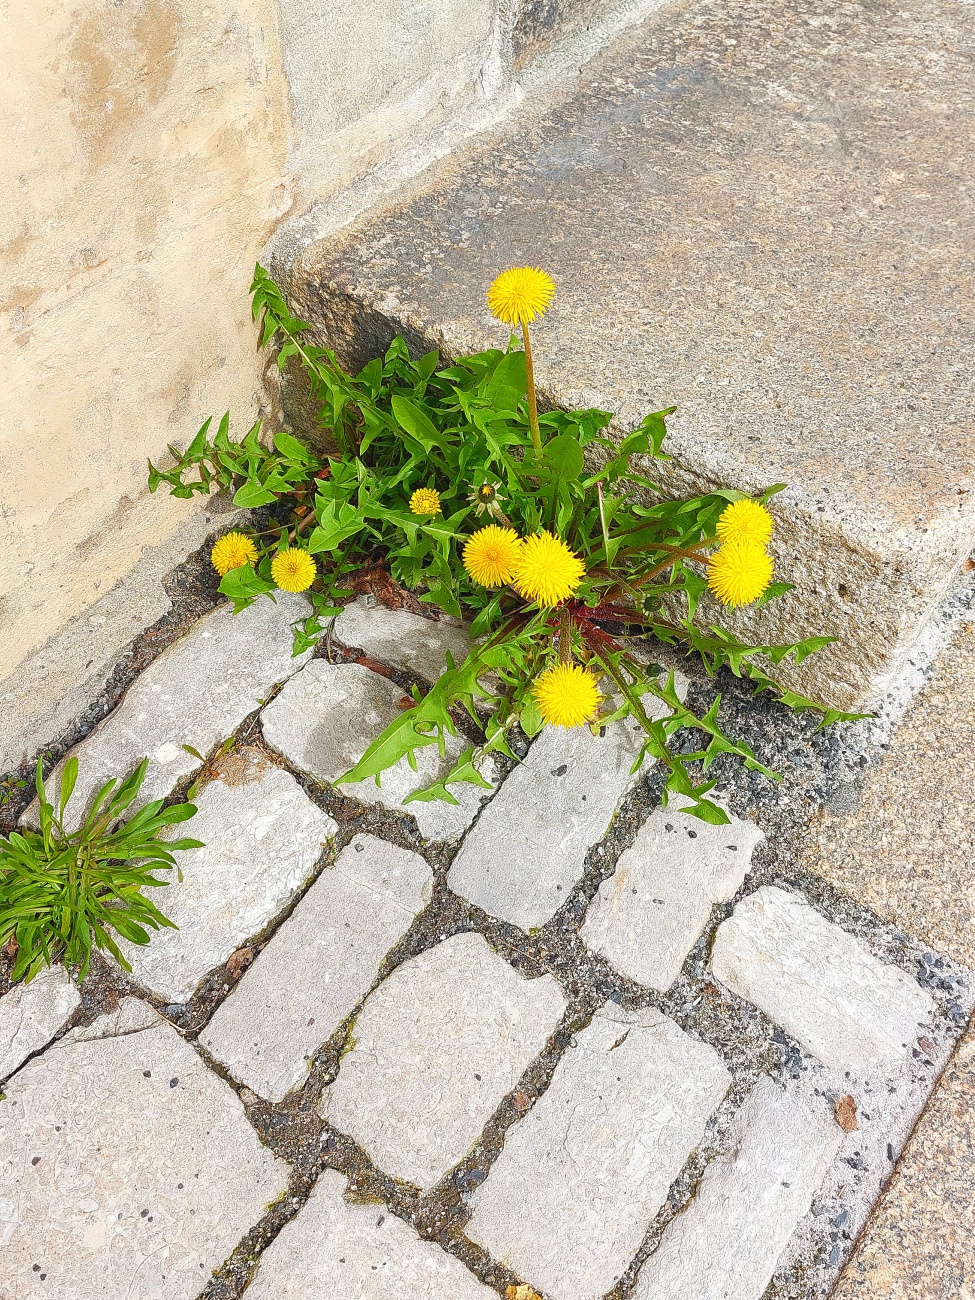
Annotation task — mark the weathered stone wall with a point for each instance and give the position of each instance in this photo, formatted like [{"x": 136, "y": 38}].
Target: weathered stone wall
[{"x": 144, "y": 165}]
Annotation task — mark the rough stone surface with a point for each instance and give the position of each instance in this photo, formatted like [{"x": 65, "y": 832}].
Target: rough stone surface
[
  {"x": 318, "y": 965},
  {"x": 749, "y": 1201},
  {"x": 31, "y": 1014},
  {"x": 526, "y": 852},
  {"x": 125, "y": 1160},
  {"x": 401, "y": 639},
  {"x": 648, "y": 914},
  {"x": 771, "y": 182},
  {"x": 821, "y": 984},
  {"x": 325, "y": 719},
  {"x": 568, "y": 1200},
  {"x": 262, "y": 840},
  {"x": 362, "y": 76},
  {"x": 919, "y": 1243},
  {"x": 437, "y": 1047},
  {"x": 906, "y": 850},
  {"x": 332, "y": 1248},
  {"x": 540, "y": 24},
  {"x": 196, "y": 693}
]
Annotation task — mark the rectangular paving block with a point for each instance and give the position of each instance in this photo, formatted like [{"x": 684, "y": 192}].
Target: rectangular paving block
[
  {"x": 401, "y": 639},
  {"x": 749, "y": 1201},
  {"x": 752, "y": 213},
  {"x": 436, "y": 1048},
  {"x": 648, "y": 914},
  {"x": 262, "y": 839},
  {"x": 526, "y": 852},
  {"x": 318, "y": 965},
  {"x": 358, "y": 1252},
  {"x": 127, "y": 1169},
  {"x": 196, "y": 693},
  {"x": 31, "y": 1014},
  {"x": 328, "y": 715},
  {"x": 821, "y": 984},
  {"x": 568, "y": 1201}
]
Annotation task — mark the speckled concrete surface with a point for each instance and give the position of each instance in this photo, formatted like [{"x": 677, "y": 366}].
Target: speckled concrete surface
[
  {"x": 757, "y": 210},
  {"x": 907, "y": 850},
  {"x": 920, "y": 1244}
]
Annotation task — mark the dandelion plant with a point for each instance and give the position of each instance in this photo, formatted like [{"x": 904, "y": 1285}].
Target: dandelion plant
[
  {"x": 63, "y": 892},
  {"x": 580, "y": 555}
]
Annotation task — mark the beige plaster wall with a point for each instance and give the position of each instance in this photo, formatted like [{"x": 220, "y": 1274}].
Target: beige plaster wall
[{"x": 145, "y": 163}]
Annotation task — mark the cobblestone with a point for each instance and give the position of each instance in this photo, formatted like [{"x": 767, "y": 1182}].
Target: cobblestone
[
  {"x": 588, "y": 1157},
  {"x": 262, "y": 839},
  {"x": 648, "y": 914},
  {"x": 196, "y": 693},
  {"x": 821, "y": 984},
  {"x": 401, "y": 639},
  {"x": 326, "y": 717},
  {"x": 526, "y": 852},
  {"x": 361, "y": 1252},
  {"x": 127, "y": 1169},
  {"x": 749, "y": 1201},
  {"x": 318, "y": 965},
  {"x": 569, "y": 1198},
  {"x": 31, "y": 1014},
  {"x": 436, "y": 1048}
]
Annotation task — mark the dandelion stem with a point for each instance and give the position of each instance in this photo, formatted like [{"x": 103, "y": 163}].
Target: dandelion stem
[
  {"x": 565, "y": 642},
  {"x": 532, "y": 402}
]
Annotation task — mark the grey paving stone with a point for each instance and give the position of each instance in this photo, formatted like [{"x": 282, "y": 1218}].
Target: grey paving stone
[
  {"x": 399, "y": 638},
  {"x": 127, "y": 1169},
  {"x": 360, "y": 1252},
  {"x": 196, "y": 693},
  {"x": 318, "y": 965},
  {"x": 328, "y": 715},
  {"x": 648, "y": 914},
  {"x": 262, "y": 839},
  {"x": 821, "y": 984},
  {"x": 437, "y": 1046},
  {"x": 526, "y": 852},
  {"x": 568, "y": 1200},
  {"x": 31, "y": 1014},
  {"x": 728, "y": 1240}
]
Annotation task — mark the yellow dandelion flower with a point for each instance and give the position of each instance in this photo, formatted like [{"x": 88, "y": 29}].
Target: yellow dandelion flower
[
  {"x": 547, "y": 571},
  {"x": 520, "y": 294},
  {"x": 739, "y": 572},
  {"x": 490, "y": 555},
  {"x": 566, "y": 695},
  {"x": 745, "y": 521},
  {"x": 425, "y": 501},
  {"x": 231, "y": 551},
  {"x": 293, "y": 569}
]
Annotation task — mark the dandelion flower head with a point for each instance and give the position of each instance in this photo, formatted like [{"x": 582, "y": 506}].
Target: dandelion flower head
[
  {"x": 293, "y": 569},
  {"x": 425, "y": 501},
  {"x": 566, "y": 695},
  {"x": 745, "y": 521},
  {"x": 547, "y": 571},
  {"x": 490, "y": 555},
  {"x": 231, "y": 551},
  {"x": 739, "y": 572},
  {"x": 520, "y": 294}
]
